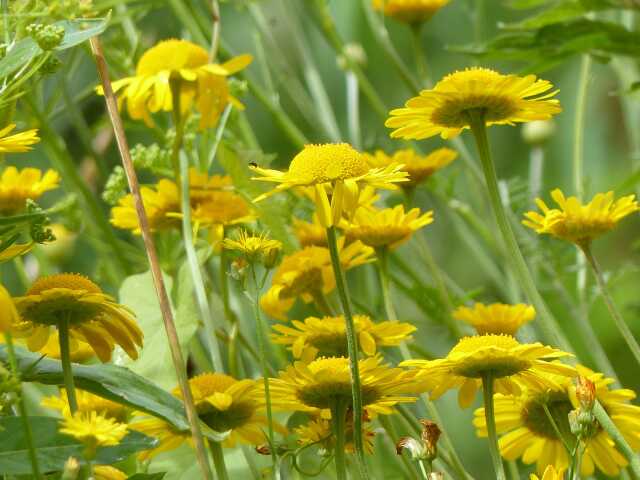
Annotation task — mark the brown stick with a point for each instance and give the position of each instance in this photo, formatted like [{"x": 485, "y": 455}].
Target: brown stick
[{"x": 156, "y": 272}]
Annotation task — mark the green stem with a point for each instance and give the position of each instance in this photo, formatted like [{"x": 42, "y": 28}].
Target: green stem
[
  {"x": 576, "y": 459},
  {"x": 421, "y": 59},
  {"x": 607, "y": 424},
  {"x": 549, "y": 326},
  {"x": 622, "y": 327},
  {"x": 262, "y": 340},
  {"x": 423, "y": 470},
  {"x": 557, "y": 431},
  {"x": 65, "y": 358},
  {"x": 352, "y": 347},
  {"x": 578, "y": 127},
  {"x": 22, "y": 407},
  {"x": 338, "y": 420},
  {"x": 487, "y": 390},
  {"x": 383, "y": 270},
  {"x": 218, "y": 460}
]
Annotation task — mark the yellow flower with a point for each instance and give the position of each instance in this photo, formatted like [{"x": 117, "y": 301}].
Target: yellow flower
[
  {"x": 528, "y": 433},
  {"x": 201, "y": 185},
  {"x": 79, "y": 351},
  {"x": 8, "y": 313},
  {"x": 318, "y": 432},
  {"x": 550, "y": 473},
  {"x": 202, "y": 84},
  {"x": 409, "y": 11},
  {"x": 444, "y": 110},
  {"x": 315, "y": 386},
  {"x": 18, "y": 142},
  {"x": 224, "y": 404},
  {"x": 511, "y": 364},
  {"x": 388, "y": 228},
  {"x": 419, "y": 167},
  {"x": 15, "y": 250},
  {"x": 107, "y": 472},
  {"x": 338, "y": 169},
  {"x": 87, "y": 403},
  {"x": 253, "y": 247},
  {"x": 308, "y": 273},
  {"x": 93, "y": 429},
  {"x": 159, "y": 203},
  {"x": 497, "y": 318},
  {"x": 222, "y": 209},
  {"x": 310, "y": 233},
  {"x": 94, "y": 317},
  {"x": 579, "y": 223},
  {"x": 16, "y": 187},
  {"x": 327, "y": 336}
]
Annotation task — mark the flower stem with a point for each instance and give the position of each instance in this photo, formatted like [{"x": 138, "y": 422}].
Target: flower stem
[
  {"x": 550, "y": 327},
  {"x": 352, "y": 347},
  {"x": 623, "y": 328},
  {"x": 421, "y": 59},
  {"x": 218, "y": 460},
  {"x": 487, "y": 391},
  {"x": 265, "y": 370},
  {"x": 607, "y": 424},
  {"x": 338, "y": 420},
  {"x": 383, "y": 269},
  {"x": 28, "y": 433},
  {"x": 65, "y": 358}
]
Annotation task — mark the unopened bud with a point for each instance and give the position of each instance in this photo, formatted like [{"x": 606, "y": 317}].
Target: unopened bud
[
  {"x": 263, "y": 449},
  {"x": 538, "y": 131},
  {"x": 430, "y": 435},
  {"x": 352, "y": 53},
  {"x": 583, "y": 424},
  {"x": 71, "y": 469},
  {"x": 47, "y": 37},
  {"x": 415, "y": 448},
  {"x": 585, "y": 393}
]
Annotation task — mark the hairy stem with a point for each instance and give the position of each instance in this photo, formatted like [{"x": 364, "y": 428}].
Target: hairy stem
[
  {"x": 338, "y": 418},
  {"x": 487, "y": 391},
  {"x": 65, "y": 358}
]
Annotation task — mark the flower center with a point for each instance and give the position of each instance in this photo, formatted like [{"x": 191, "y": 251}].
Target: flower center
[
  {"x": 454, "y": 111},
  {"x": 325, "y": 394},
  {"x": 330, "y": 344},
  {"x": 71, "y": 281},
  {"x": 536, "y": 419},
  {"x": 327, "y": 163},
  {"x": 306, "y": 281},
  {"x": 237, "y": 415}
]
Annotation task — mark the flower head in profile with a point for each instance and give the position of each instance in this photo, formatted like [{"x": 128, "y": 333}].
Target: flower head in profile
[
  {"x": 93, "y": 429},
  {"x": 79, "y": 350},
  {"x": 202, "y": 85},
  {"x": 335, "y": 169},
  {"x": 511, "y": 364},
  {"x": 307, "y": 274},
  {"x": 221, "y": 209},
  {"x": 318, "y": 431},
  {"x": 8, "y": 313},
  {"x": 253, "y": 247},
  {"x": 419, "y": 167},
  {"x": 316, "y": 385},
  {"x": 18, "y": 186},
  {"x": 327, "y": 336},
  {"x": 578, "y": 223},
  {"x": 444, "y": 110},
  {"x": 528, "y": 433},
  {"x": 159, "y": 203},
  {"x": 18, "y": 142},
  {"x": 93, "y": 316},
  {"x": 409, "y": 11},
  {"x": 496, "y": 318},
  {"x": 550, "y": 473},
  {"x": 388, "y": 228},
  {"x": 87, "y": 403},
  {"x": 310, "y": 233}
]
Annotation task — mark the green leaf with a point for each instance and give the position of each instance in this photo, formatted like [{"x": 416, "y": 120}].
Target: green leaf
[
  {"x": 21, "y": 54},
  {"x": 109, "y": 381},
  {"x": 147, "y": 476},
  {"x": 138, "y": 293},
  {"x": 53, "y": 448},
  {"x": 77, "y": 31}
]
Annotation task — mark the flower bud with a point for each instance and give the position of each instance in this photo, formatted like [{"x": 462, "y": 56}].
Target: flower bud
[
  {"x": 430, "y": 435},
  {"x": 71, "y": 469},
  {"x": 415, "y": 448},
  {"x": 538, "y": 131},
  {"x": 585, "y": 393},
  {"x": 47, "y": 37}
]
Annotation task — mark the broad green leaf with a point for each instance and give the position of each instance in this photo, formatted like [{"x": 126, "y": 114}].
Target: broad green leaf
[
  {"x": 77, "y": 31},
  {"x": 21, "y": 54},
  {"x": 109, "y": 381},
  {"x": 147, "y": 476},
  {"x": 138, "y": 293},
  {"x": 53, "y": 448}
]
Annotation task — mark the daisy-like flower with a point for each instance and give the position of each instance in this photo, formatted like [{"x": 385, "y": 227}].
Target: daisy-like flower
[
  {"x": 316, "y": 386},
  {"x": 496, "y": 318},
  {"x": 18, "y": 142},
  {"x": 16, "y": 187},
  {"x": 318, "y": 431},
  {"x": 327, "y": 336},
  {"x": 578, "y": 223},
  {"x": 419, "y": 167},
  {"x": 224, "y": 404},
  {"x": 409, "y": 11},
  {"x": 159, "y": 203},
  {"x": 308, "y": 273},
  {"x": 444, "y": 110},
  {"x": 93, "y": 429},
  {"x": 337, "y": 169},
  {"x": 87, "y": 403},
  {"x": 93, "y": 316},
  {"x": 310, "y": 233},
  {"x": 550, "y": 473},
  {"x": 254, "y": 247},
  {"x": 528, "y": 433},
  {"x": 79, "y": 351},
  {"x": 512, "y": 365},
  {"x": 388, "y": 228},
  {"x": 202, "y": 84},
  {"x": 221, "y": 209}
]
